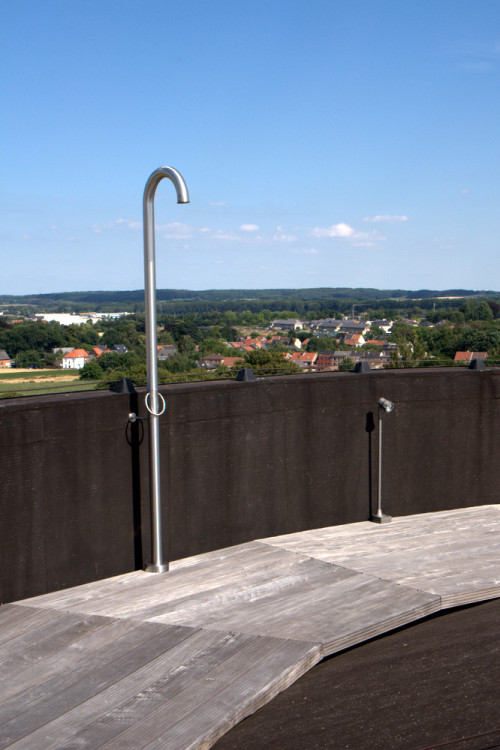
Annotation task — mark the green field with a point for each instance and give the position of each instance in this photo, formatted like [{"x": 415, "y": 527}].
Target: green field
[
  {"x": 15, "y": 374},
  {"x": 41, "y": 382}
]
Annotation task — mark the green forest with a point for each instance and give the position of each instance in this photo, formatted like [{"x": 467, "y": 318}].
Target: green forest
[{"x": 176, "y": 301}]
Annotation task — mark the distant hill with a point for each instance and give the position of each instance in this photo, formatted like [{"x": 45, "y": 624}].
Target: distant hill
[{"x": 127, "y": 298}]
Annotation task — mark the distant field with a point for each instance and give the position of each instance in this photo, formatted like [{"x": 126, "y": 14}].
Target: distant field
[
  {"x": 18, "y": 373},
  {"x": 25, "y": 382}
]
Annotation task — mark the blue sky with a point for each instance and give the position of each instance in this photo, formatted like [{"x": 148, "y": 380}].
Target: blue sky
[{"x": 328, "y": 143}]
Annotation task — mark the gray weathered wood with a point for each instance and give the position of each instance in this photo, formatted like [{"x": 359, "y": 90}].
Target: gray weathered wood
[
  {"x": 175, "y": 660},
  {"x": 178, "y": 693},
  {"x": 453, "y": 554}
]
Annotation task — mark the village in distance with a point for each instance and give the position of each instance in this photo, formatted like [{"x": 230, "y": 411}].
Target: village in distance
[{"x": 51, "y": 342}]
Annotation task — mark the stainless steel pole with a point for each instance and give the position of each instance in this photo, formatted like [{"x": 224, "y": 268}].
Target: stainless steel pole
[
  {"x": 379, "y": 505},
  {"x": 158, "y": 565},
  {"x": 379, "y": 516}
]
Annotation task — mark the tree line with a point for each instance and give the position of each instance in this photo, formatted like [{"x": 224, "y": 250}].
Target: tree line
[{"x": 466, "y": 324}]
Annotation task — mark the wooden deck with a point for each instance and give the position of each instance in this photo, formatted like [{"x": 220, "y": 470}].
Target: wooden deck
[{"x": 175, "y": 660}]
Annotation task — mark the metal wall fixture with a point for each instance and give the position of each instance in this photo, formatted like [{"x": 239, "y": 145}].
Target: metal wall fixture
[
  {"x": 384, "y": 405},
  {"x": 153, "y": 397}
]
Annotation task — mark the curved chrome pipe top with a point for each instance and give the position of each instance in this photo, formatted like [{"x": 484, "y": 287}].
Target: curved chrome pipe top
[{"x": 174, "y": 176}]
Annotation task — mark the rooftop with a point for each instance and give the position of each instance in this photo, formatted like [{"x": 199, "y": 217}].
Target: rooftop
[{"x": 175, "y": 660}]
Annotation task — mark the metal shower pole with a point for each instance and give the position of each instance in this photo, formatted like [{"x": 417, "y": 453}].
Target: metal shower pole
[
  {"x": 153, "y": 396},
  {"x": 379, "y": 513}
]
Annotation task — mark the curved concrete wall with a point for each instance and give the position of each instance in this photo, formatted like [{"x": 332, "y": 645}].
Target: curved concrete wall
[{"x": 240, "y": 461}]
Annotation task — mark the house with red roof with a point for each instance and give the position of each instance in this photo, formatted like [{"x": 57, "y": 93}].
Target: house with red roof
[
  {"x": 75, "y": 359},
  {"x": 355, "y": 339},
  {"x": 212, "y": 361},
  {"x": 97, "y": 351},
  {"x": 277, "y": 340},
  {"x": 5, "y": 360},
  {"x": 325, "y": 361},
  {"x": 231, "y": 361},
  {"x": 305, "y": 360},
  {"x": 376, "y": 342},
  {"x": 255, "y": 343},
  {"x": 329, "y": 360},
  {"x": 241, "y": 345},
  {"x": 469, "y": 356}
]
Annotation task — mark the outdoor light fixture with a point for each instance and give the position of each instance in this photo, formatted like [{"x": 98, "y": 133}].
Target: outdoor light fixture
[
  {"x": 153, "y": 397},
  {"x": 387, "y": 406}
]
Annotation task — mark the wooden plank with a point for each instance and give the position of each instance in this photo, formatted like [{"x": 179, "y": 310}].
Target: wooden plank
[
  {"x": 187, "y": 679},
  {"x": 18, "y": 623},
  {"x": 329, "y": 605},
  {"x": 201, "y": 713},
  {"x": 41, "y": 632},
  {"x": 174, "y": 660},
  {"x": 211, "y": 574},
  {"x": 130, "y": 688},
  {"x": 82, "y": 636},
  {"x": 454, "y": 554},
  {"x": 264, "y": 589},
  {"x": 65, "y": 598},
  {"x": 421, "y": 532},
  {"x": 271, "y": 592},
  {"x": 59, "y": 693},
  {"x": 419, "y": 551}
]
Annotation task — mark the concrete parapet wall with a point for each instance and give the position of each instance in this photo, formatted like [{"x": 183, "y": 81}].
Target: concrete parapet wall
[{"x": 239, "y": 461}]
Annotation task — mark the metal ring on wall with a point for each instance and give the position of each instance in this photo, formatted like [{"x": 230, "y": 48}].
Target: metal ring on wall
[{"x": 150, "y": 410}]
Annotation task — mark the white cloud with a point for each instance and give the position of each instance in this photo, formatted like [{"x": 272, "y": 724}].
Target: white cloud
[
  {"x": 218, "y": 203},
  {"x": 220, "y": 234},
  {"x": 386, "y": 218},
  {"x": 464, "y": 192},
  {"x": 281, "y": 236},
  {"x": 175, "y": 230},
  {"x": 129, "y": 223},
  {"x": 336, "y": 230},
  {"x": 344, "y": 231},
  {"x": 368, "y": 239},
  {"x": 249, "y": 228}
]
